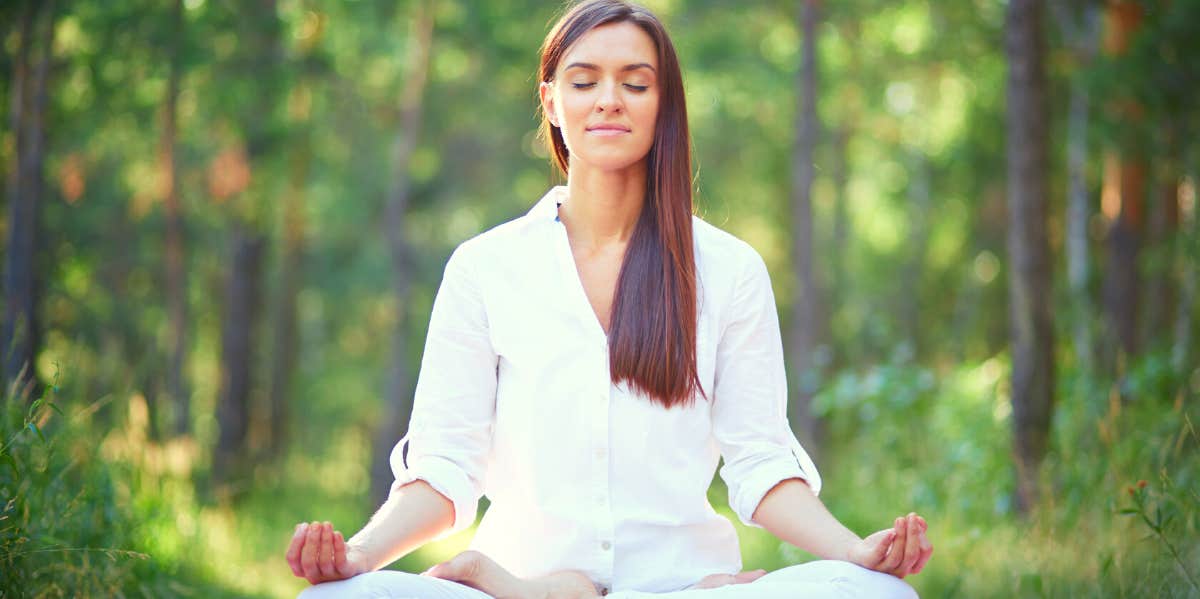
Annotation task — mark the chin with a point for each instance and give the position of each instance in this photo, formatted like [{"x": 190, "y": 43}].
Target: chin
[{"x": 606, "y": 161}]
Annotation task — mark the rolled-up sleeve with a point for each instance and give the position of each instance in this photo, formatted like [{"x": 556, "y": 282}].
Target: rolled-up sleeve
[
  {"x": 450, "y": 431},
  {"x": 750, "y": 390}
]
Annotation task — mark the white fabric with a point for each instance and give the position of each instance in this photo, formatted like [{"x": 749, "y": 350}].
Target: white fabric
[
  {"x": 825, "y": 579},
  {"x": 514, "y": 401}
]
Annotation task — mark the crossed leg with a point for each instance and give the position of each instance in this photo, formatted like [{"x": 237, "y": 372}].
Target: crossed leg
[
  {"x": 472, "y": 575},
  {"x": 469, "y": 575}
]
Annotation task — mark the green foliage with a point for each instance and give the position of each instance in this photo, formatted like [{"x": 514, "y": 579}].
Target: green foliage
[
  {"x": 907, "y": 437},
  {"x": 73, "y": 523},
  {"x": 1147, "y": 502}
]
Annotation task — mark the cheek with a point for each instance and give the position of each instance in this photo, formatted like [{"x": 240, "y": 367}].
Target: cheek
[
  {"x": 644, "y": 106},
  {"x": 645, "y": 114},
  {"x": 575, "y": 110}
]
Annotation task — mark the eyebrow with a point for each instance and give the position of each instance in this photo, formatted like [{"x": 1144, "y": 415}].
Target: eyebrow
[{"x": 628, "y": 67}]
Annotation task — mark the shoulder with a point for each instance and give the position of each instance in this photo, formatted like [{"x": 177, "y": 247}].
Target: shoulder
[{"x": 722, "y": 254}]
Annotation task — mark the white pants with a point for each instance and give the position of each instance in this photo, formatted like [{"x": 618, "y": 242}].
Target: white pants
[{"x": 826, "y": 579}]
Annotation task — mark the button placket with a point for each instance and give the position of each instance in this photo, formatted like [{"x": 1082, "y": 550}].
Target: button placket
[{"x": 600, "y": 449}]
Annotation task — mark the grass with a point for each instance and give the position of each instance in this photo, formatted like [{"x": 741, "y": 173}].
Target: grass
[{"x": 101, "y": 510}]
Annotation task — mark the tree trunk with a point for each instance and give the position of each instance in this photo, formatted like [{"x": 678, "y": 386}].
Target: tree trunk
[
  {"x": 176, "y": 270},
  {"x": 1123, "y": 202},
  {"x": 21, "y": 332},
  {"x": 1162, "y": 223},
  {"x": 919, "y": 201},
  {"x": 807, "y": 317},
  {"x": 285, "y": 329},
  {"x": 241, "y": 312},
  {"x": 841, "y": 235},
  {"x": 1031, "y": 323},
  {"x": 262, "y": 53},
  {"x": 1083, "y": 35},
  {"x": 398, "y": 400},
  {"x": 1187, "y": 258}
]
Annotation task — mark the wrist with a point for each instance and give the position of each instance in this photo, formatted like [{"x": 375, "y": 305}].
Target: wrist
[
  {"x": 358, "y": 559},
  {"x": 846, "y": 550}
]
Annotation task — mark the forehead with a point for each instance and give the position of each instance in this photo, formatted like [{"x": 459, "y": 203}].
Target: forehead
[{"x": 613, "y": 45}]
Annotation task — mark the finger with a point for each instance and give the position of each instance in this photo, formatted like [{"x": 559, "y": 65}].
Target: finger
[
  {"x": 896, "y": 551},
  {"x": 878, "y": 544},
  {"x": 926, "y": 552},
  {"x": 339, "y": 555},
  {"x": 325, "y": 557},
  {"x": 294, "y": 547},
  {"x": 308, "y": 556},
  {"x": 912, "y": 546}
]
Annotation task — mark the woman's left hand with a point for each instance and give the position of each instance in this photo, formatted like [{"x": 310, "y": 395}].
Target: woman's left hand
[{"x": 901, "y": 550}]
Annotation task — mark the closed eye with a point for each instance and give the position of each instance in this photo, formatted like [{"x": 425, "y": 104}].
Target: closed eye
[{"x": 636, "y": 88}]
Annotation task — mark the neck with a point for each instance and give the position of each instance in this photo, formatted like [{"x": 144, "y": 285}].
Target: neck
[{"x": 603, "y": 207}]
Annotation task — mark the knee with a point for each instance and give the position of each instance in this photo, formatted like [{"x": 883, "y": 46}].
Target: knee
[
  {"x": 862, "y": 582},
  {"x": 329, "y": 590},
  {"x": 847, "y": 579},
  {"x": 370, "y": 585}
]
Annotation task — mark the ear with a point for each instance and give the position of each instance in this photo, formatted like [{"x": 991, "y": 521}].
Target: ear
[{"x": 546, "y": 94}]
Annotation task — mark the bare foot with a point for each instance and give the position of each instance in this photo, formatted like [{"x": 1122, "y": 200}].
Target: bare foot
[
  {"x": 713, "y": 581},
  {"x": 478, "y": 571}
]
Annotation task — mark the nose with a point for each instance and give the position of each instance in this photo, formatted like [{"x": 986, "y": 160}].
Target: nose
[{"x": 609, "y": 99}]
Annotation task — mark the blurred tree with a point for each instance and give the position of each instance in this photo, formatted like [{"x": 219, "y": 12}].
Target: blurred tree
[
  {"x": 1124, "y": 194},
  {"x": 1030, "y": 271},
  {"x": 1182, "y": 352},
  {"x": 916, "y": 246},
  {"x": 398, "y": 399},
  {"x": 805, "y": 332},
  {"x": 1079, "y": 21},
  {"x": 242, "y": 292},
  {"x": 174, "y": 242},
  {"x": 284, "y": 326},
  {"x": 261, "y": 67},
  {"x": 21, "y": 338}
]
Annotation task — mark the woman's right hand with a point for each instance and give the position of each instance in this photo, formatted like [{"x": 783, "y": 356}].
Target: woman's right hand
[{"x": 318, "y": 554}]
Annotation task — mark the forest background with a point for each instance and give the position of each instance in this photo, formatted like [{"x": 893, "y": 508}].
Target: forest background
[{"x": 224, "y": 223}]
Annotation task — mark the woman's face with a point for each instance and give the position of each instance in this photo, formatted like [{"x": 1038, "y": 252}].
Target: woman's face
[{"x": 604, "y": 96}]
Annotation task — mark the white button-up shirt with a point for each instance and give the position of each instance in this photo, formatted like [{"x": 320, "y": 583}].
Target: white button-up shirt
[{"x": 514, "y": 401}]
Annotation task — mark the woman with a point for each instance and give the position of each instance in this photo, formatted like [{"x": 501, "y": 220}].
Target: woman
[{"x": 587, "y": 365}]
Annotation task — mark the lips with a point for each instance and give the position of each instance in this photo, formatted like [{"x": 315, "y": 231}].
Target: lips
[{"x": 608, "y": 129}]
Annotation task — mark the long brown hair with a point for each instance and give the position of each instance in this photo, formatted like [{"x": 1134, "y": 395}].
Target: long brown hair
[{"x": 652, "y": 334}]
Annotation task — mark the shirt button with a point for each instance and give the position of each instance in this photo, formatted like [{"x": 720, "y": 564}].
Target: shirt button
[
  {"x": 606, "y": 545},
  {"x": 600, "y": 452}
]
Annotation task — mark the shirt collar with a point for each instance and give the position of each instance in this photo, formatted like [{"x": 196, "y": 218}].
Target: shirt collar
[{"x": 547, "y": 207}]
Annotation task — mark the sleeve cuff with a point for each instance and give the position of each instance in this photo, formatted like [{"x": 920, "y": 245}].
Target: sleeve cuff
[
  {"x": 445, "y": 477},
  {"x": 749, "y": 493}
]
